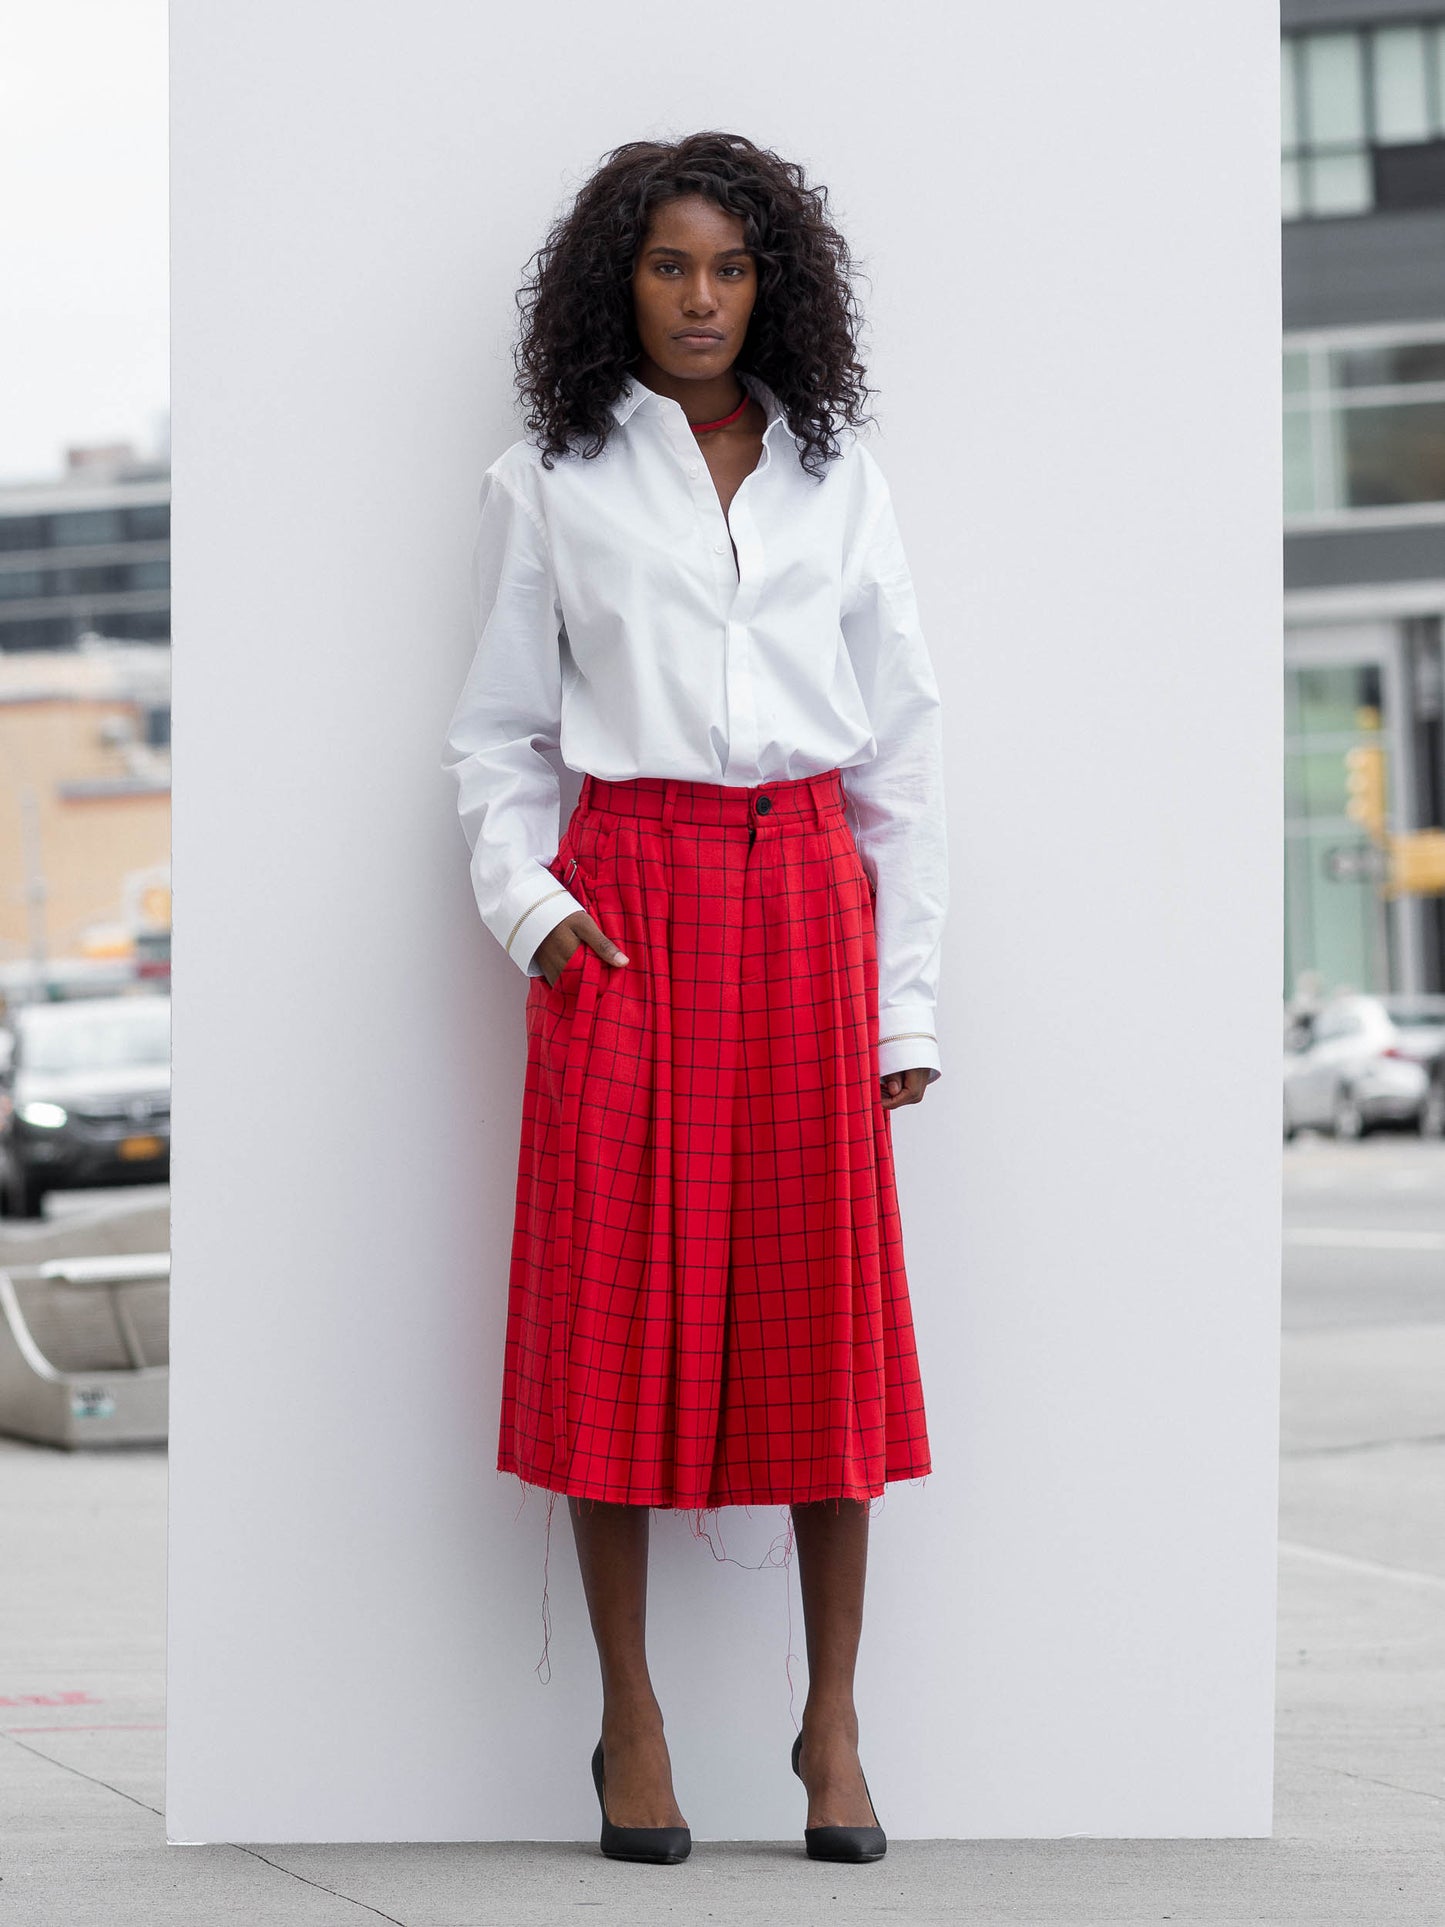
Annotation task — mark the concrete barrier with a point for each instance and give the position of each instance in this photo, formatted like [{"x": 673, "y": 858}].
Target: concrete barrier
[{"x": 84, "y": 1349}]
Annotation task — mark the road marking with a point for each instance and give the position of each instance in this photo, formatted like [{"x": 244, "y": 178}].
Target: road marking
[
  {"x": 1362, "y": 1240},
  {"x": 1347, "y": 1563}
]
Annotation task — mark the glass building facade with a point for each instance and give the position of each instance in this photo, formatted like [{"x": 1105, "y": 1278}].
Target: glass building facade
[
  {"x": 1362, "y": 118},
  {"x": 1363, "y": 205},
  {"x": 85, "y": 557}
]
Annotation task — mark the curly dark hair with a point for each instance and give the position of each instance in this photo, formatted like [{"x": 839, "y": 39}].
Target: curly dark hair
[{"x": 579, "y": 336}]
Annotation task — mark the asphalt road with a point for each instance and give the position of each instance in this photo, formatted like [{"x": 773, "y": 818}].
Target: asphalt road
[{"x": 1364, "y": 1232}]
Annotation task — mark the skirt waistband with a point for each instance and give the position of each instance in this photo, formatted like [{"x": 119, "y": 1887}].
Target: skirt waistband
[{"x": 811, "y": 800}]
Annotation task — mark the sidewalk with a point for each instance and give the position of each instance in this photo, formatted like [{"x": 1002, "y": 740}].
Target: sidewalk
[{"x": 1360, "y": 1783}]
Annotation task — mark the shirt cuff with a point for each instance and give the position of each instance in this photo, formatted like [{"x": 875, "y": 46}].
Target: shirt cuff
[
  {"x": 908, "y": 1040},
  {"x": 533, "y": 905}
]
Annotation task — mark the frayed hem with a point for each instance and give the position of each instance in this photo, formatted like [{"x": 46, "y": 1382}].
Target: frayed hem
[
  {"x": 660, "y": 1502},
  {"x": 696, "y": 1516}
]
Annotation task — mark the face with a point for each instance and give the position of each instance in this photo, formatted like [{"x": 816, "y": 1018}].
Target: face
[{"x": 693, "y": 273}]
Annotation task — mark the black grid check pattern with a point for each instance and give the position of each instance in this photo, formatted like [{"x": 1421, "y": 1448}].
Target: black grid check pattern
[{"x": 708, "y": 1303}]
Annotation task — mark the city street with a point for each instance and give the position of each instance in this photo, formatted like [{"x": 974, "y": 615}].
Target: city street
[
  {"x": 1364, "y": 1233},
  {"x": 1360, "y": 1775},
  {"x": 1359, "y": 1759}
]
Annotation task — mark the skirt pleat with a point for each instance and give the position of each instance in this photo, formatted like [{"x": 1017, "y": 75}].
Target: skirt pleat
[{"x": 708, "y": 1302}]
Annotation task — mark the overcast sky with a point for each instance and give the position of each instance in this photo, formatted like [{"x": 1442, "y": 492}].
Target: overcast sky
[{"x": 83, "y": 205}]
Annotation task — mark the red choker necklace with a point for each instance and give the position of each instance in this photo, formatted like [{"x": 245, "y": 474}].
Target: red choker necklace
[{"x": 701, "y": 428}]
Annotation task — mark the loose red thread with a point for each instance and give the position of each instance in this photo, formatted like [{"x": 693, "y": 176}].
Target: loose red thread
[
  {"x": 696, "y": 1515},
  {"x": 782, "y": 1543},
  {"x": 545, "y": 1660}
]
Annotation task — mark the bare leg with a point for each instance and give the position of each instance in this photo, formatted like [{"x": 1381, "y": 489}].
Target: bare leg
[
  {"x": 832, "y": 1540},
  {"x": 612, "y": 1554}
]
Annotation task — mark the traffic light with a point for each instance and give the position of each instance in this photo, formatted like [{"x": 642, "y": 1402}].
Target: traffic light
[{"x": 1365, "y": 786}]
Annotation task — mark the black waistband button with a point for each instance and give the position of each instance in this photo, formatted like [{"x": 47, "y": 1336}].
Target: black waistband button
[{"x": 763, "y": 805}]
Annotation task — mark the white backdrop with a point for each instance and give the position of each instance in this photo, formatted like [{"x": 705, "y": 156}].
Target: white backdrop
[{"x": 1070, "y": 224}]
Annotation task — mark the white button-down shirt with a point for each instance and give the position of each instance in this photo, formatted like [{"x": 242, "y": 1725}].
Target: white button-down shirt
[{"x": 613, "y": 629}]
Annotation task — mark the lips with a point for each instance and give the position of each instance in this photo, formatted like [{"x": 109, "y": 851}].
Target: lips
[{"x": 697, "y": 334}]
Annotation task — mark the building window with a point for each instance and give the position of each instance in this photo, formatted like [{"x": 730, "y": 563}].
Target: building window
[
  {"x": 21, "y": 585},
  {"x": 80, "y": 528},
  {"x": 148, "y": 522},
  {"x": 1334, "y": 924},
  {"x": 1362, "y": 119},
  {"x": 37, "y": 632},
  {"x": 1364, "y": 421},
  {"x": 24, "y": 532}
]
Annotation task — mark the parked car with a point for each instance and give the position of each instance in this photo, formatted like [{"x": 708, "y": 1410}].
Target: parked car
[
  {"x": 85, "y": 1098},
  {"x": 1432, "y": 1111},
  {"x": 1361, "y": 1061}
]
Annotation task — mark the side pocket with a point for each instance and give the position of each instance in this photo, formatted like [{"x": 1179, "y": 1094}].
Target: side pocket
[
  {"x": 582, "y": 859},
  {"x": 856, "y": 863},
  {"x": 570, "y": 969},
  {"x": 565, "y": 867},
  {"x": 582, "y": 842}
]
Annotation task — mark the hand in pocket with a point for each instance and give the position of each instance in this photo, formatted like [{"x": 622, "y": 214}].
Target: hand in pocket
[{"x": 557, "y": 948}]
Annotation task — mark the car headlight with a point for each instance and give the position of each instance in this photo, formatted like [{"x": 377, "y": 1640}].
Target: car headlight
[{"x": 49, "y": 1117}]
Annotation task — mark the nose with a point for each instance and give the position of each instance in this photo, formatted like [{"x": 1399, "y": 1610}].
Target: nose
[{"x": 701, "y": 298}]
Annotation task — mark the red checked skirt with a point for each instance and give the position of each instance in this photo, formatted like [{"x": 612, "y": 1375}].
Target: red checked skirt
[{"x": 708, "y": 1303}]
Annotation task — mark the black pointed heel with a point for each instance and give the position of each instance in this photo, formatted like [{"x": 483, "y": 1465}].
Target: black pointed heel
[
  {"x": 841, "y": 1843},
  {"x": 663, "y": 1845}
]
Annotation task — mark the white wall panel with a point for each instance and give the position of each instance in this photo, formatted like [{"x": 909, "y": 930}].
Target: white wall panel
[{"x": 1069, "y": 222}]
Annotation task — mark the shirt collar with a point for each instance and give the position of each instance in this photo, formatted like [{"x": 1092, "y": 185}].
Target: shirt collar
[{"x": 635, "y": 394}]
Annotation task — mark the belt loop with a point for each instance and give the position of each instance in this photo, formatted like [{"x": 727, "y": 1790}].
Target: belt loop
[
  {"x": 584, "y": 797},
  {"x": 818, "y": 788},
  {"x": 669, "y": 798}
]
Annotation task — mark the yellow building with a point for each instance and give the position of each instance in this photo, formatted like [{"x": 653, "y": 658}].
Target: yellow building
[{"x": 85, "y": 798}]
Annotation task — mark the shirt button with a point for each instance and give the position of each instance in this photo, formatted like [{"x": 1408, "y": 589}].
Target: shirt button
[
  {"x": 717, "y": 548},
  {"x": 693, "y": 469}
]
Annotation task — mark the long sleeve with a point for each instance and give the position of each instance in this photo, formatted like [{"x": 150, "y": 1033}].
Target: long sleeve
[
  {"x": 897, "y": 799},
  {"x": 505, "y": 723}
]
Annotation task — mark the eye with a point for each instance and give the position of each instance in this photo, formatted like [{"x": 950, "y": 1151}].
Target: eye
[{"x": 738, "y": 268}]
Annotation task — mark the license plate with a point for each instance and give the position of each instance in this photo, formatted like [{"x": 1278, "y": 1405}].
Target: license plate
[{"x": 141, "y": 1147}]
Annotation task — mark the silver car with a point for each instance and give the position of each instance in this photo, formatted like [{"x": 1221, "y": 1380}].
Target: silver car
[{"x": 1360, "y": 1061}]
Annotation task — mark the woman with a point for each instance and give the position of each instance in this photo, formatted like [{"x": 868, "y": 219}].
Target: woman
[{"x": 689, "y": 584}]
